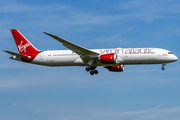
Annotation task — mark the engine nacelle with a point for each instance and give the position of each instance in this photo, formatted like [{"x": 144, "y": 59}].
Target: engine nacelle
[
  {"x": 108, "y": 58},
  {"x": 116, "y": 68}
]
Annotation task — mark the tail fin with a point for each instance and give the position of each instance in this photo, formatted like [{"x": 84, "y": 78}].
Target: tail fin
[{"x": 23, "y": 45}]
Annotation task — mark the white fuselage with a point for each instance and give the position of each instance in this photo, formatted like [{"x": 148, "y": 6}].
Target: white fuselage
[
  {"x": 112, "y": 59},
  {"x": 125, "y": 56}
]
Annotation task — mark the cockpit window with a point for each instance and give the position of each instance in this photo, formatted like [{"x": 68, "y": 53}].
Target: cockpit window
[{"x": 170, "y": 53}]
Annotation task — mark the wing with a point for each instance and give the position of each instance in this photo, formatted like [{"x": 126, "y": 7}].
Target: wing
[
  {"x": 16, "y": 54},
  {"x": 86, "y": 55}
]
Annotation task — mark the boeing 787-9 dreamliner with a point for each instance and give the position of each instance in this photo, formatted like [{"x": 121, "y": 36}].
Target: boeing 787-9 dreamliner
[{"x": 112, "y": 59}]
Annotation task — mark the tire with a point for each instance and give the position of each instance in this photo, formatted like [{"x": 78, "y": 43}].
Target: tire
[
  {"x": 95, "y": 71},
  {"x": 162, "y": 68},
  {"x": 92, "y": 72},
  {"x": 87, "y": 69}
]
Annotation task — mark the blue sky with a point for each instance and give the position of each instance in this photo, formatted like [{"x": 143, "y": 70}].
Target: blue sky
[{"x": 31, "y": 92}]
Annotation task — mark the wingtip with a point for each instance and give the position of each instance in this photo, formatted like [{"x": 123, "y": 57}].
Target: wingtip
[{"x": 45, "y": 32}]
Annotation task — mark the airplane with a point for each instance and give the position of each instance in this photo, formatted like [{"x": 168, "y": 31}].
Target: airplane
[{"x": 112, "y": 59}]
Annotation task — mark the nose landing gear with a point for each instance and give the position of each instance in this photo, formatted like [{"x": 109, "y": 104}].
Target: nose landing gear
[
  {"x": 92, "y": 70},
  {"x": 163, "y": 68}
]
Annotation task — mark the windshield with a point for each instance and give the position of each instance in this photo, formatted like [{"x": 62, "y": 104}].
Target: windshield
[{"x": 170, "y": 53}]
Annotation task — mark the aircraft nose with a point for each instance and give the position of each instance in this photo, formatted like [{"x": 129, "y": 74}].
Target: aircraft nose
[
  {"x": 175, "y": 58},
  {"x": 172, "y": 58}
]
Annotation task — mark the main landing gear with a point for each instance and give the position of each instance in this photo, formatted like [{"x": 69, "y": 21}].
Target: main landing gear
[
  {"x": 92, "y": 70},
  {"x": 163, "y": 68}
]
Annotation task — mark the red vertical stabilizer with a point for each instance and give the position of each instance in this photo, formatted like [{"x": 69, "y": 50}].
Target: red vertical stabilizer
[{"x": 24, "y": 46}]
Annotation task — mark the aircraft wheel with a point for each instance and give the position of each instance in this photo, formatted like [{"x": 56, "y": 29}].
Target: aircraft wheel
[
  {"x": 95, "y": 71},
  {"x": 163, "y": 68},
  {"x": 87, "y": 69},
  {"x": 92, "y": 72}
]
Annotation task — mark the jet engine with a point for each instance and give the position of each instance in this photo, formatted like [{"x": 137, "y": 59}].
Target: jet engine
[
  {"x": 108, "y": 58},
  {"x": 116, "y": 68}
]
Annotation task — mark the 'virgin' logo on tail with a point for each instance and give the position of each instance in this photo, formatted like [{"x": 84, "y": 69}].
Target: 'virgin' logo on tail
[{"x": 22, "y": 48}]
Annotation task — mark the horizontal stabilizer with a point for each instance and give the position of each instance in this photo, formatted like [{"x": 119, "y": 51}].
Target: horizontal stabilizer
[{"x": 16, "y": 54}]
